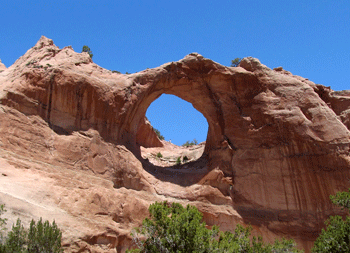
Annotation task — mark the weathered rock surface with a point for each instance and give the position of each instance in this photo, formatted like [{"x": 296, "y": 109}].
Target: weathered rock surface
[
  {"x": 2, "y": 66},
  {"x": 70, "y": 136},
  {"x": 146, "y": 137},
  {"x": 170, "y": 153}
]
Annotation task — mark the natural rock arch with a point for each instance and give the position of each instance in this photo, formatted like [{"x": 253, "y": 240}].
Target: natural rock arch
[
  {"x": 282, "y": 139},
  {"x": 204, "y": 90},
  {"x": 264, "y": 125},
  {"x": 206, "y": 111}
]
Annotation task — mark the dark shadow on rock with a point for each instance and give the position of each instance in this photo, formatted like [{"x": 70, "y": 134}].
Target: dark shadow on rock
[
  {"x": 184, "y": 174},
  {"x": 60, "y": 130}
]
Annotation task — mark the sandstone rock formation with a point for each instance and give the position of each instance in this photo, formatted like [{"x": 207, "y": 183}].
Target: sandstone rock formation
[
  {"x": 70, "y": 136},
  {"x": 2, "y": 66}
]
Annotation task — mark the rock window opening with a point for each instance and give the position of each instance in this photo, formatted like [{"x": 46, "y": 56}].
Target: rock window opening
[{"x": 184, "y": 130}]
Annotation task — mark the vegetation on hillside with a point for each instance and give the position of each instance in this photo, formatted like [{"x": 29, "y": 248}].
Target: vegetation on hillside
[
  {"x": 88, "y": 50},
  {"x": 336, "y": 236},
  {"x": 174, "y": 228},
  {"x": 40, "y": 237},
  {"x": 190, "y": 143},
  {"x": 235, "y": 62},
  {"x": 178, "y": 161},
  {"x": 161, "y": 137}
]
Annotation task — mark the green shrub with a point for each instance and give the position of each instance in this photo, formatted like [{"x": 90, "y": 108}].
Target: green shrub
[
  {"x": 161, "y": 137},
  {"x": 178, "y": 161},
  {"x": 236, "y": 62},
  {"x": 174, "y": 228},
  {"x": 2, "y": 223},
  {"x": 185, "y": 159},
  {"x": 188, "y": 143},
  {"x": 88, "y": 50},
  {"x": 17, "y": 239},
  {"x": 336, "y": 236},
  {"x": 41, "y": 237},
  {"x": 159, "y": 155}
]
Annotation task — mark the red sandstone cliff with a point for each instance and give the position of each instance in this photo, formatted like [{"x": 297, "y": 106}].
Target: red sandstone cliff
[{"x": 70, "y": 136}]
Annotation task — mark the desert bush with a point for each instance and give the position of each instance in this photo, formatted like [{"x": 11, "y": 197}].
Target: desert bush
[
  {"x": 2, "y": 223},
  {"x": 161, "y": 137},
  {"x": 190, "y": 143},
  {"x": 41, "y": 237},
  {"x": 16, "y": 240},
  {"x": 159, "y": 155},
  {"x": 235, "y": 62},
  {"x": 336, "y": 236},
  {"x": 44, "y": 237},
  {"x": 185, "y": 159},
  {"x": 174, "y": 228},
  {"x": 88, "y": 50}
]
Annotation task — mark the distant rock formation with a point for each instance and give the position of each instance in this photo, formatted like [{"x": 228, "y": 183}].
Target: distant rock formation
[{"x": 71, "y": 131}]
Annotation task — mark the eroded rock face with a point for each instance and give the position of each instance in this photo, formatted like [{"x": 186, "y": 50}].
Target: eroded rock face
[
  {"x": 2, "y": 66},
  {"x": 146, "y": 137},
  {"x": 277, "y": 145}
]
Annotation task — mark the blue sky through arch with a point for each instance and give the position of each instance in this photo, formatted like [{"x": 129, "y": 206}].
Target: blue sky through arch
[{"x": 177, "y": 119}]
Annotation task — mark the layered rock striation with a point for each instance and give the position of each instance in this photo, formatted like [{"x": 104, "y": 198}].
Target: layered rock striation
[{"x": 277, "y": 145}]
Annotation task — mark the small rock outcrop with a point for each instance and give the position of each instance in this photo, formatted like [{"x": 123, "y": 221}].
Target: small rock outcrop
[
  {"x": 277, "y": 146},
  {"x": 2, "y": 66}
]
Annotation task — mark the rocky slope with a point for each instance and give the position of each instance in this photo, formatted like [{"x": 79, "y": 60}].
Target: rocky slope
[{"x": 71, "y": 134}]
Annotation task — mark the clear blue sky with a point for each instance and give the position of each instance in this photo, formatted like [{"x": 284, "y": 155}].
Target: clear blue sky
[{"x": 309, "y": 38}]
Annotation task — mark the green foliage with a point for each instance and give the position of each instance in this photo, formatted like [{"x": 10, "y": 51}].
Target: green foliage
[
  {"x": 174, "y": 228},
  {"x": 88, "y": 50},
  {"x": 32, "y": 62},
  {"x": 341, "y": 199},
  {"x": 184, "y": 159},
  {"x": 2, "y": 229},
  {"x": 2, "y": 223},
  {"x": 159, "y": 155},
  {"x": 41, "y": 237},
  {"x": 336, "y": 236},
  {"x": 235, "y": 62},
  {"x": 16, "y": 239},
  {"x": 178, "y": 160},
  {"x": 161, "y": 137},
  {"x": 188, "y": 143}
]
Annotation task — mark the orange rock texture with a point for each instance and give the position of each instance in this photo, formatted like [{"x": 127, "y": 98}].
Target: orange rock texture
[{"x": 71, "y": 131}]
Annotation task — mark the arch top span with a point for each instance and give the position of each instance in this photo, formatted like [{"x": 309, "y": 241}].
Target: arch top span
[
  {"x": 218, "y": 92},
  {"x": 245, "y": 106}
]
